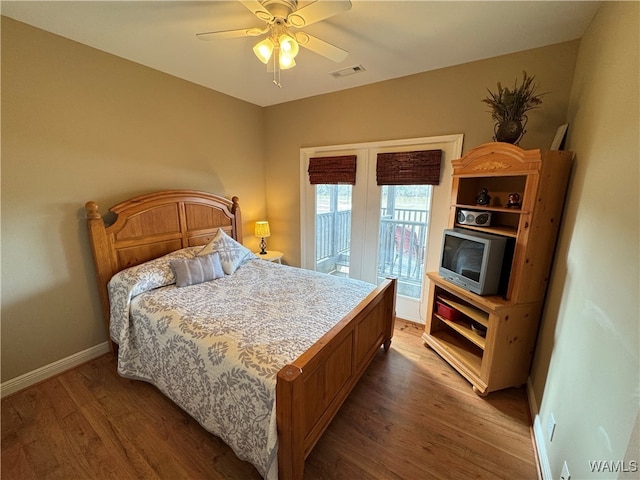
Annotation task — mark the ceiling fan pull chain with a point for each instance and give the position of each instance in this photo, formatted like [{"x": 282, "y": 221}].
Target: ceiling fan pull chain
[{"x": 276, "y": 67}]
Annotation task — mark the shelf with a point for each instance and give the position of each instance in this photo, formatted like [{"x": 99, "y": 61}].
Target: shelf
[
  {"x": 481, "y": 208},
  {"x": 461, "y": 351},
  {"x": 504, "y": 221},
  {"x": 497, "y": 230},
  {"x": 498, "y": 186},
  {"x": 487, "y": 303},
  {"x": 463, "y": 330},
  {"x": 473, "y": 313}
]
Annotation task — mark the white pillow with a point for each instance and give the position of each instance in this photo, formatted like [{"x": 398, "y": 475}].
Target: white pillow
[
  {"x": 191, "y": 271},
  {"x": 232, "y": 253}
]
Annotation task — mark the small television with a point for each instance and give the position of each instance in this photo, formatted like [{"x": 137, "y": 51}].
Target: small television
[{"x": 472, "y": 260}]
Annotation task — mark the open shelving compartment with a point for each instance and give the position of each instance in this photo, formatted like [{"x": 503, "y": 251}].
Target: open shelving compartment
[
  {"x": 498, "y": 360},
  {"x": 464, "y": 324},
  {"x": 504, "y": 220},
  {"x": 452, "y": 333}
]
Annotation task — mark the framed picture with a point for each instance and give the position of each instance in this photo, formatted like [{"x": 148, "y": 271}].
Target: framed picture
[{"x": 558, "y": 140}]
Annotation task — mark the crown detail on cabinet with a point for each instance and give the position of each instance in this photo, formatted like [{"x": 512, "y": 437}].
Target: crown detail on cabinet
[{"x": 491, "y": 166}]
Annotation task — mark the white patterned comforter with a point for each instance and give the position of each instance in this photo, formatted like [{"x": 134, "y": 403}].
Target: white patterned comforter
[{"x": 215, "y": 348}]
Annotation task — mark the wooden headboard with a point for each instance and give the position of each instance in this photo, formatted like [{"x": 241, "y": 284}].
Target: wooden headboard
[{"x": 149, "y": 226}]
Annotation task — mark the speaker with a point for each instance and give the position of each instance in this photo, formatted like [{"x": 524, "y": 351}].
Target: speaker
[{"x": 470, "y": 217}]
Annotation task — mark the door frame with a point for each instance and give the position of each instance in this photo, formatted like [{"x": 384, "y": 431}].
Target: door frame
[{"x": 367, "y": 224}]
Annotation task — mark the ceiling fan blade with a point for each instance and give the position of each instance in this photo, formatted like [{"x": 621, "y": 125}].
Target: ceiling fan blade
[
  {"x": 243, "y": 32},
  {"x": 321, "y": 47},
  {"x": 316, "y": 11},
  {"x": 258, "y": 9}
]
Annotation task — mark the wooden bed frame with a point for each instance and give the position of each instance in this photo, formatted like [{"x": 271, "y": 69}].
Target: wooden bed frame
[{"x": 310, "y": 390}]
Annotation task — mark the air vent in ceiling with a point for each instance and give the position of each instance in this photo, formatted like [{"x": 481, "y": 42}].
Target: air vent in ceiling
[{"x": 343, "y": 72}]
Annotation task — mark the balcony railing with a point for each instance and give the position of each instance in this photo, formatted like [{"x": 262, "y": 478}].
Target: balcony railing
[
  {"x": 402, "y": 245},
  {"x": 333, "y": 232}
]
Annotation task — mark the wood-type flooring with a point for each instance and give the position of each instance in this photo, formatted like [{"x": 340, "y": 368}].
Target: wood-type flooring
[{"x": 410, "y": 417}]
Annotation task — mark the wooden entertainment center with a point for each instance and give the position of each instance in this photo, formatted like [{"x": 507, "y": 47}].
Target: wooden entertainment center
[{"x": 490, "y": 339}]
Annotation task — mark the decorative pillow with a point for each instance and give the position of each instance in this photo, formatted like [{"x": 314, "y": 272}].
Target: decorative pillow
[
  {"x": 191, "y": 271},
  {"x": 232, "y": 253},
  {"x": 155, "y": 273}
]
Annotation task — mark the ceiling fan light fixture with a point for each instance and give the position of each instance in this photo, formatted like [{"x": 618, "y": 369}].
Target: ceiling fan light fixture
[
  {"x": 286, "y": 61},
  {"x": 279, "y": 49},
  {"x": 263, "y": 50},
  {"x": 288, "y": 45}
]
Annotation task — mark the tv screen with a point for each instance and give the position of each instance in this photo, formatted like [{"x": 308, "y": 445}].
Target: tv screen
[{"x": 472, "y": 260}]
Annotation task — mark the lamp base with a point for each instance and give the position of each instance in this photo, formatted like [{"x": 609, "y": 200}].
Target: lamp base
[{"x": 263, "y": 246}]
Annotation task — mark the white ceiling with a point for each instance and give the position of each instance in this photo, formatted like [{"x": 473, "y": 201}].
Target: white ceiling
[{"x": 388, "y": 38}]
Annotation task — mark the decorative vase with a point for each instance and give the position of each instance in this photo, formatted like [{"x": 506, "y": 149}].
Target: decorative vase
[{"x": 509, "y": 132}]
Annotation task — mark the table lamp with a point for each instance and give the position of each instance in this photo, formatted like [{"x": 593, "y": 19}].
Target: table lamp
[{"x": 262, "y": 231}]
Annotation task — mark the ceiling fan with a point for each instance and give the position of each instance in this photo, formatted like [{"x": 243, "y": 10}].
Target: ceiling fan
[{"x": 280, "y": 47}]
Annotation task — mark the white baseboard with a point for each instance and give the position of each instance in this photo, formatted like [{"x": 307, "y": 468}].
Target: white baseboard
[
  {"x": 55, "y": 368},
  {"x": 538, "y": 435}
]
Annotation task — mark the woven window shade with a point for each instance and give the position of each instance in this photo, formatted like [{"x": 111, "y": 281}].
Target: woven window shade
[
  {"x": 332, "y": 170},
  {"x": 409, "y": 168}
]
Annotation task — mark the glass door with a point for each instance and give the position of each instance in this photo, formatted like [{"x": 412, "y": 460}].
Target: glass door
[
  {"x": 404, "y": 223},
  {"x": 333, "y": 208}
]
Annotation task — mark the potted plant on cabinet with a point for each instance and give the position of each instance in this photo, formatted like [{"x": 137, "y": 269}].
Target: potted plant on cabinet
[{"x": 509, "y": 107}]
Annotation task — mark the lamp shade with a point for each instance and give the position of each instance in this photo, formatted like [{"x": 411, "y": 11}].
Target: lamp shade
[
  {"x": 262, "y": 229},
  {"x": 288, "y": 45},
  {"x": 263, "y": 50},
  {"x": 286, "y": 61}
]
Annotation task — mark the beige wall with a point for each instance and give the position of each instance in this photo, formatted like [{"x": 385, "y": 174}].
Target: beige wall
[
  {"x": 441, "y": 102},
  {"x": 79, "y": 125},
  {"x": 587, "y": 370}
]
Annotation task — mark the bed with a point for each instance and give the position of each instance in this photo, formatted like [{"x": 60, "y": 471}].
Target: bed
[{"x": 151, "y": 231}]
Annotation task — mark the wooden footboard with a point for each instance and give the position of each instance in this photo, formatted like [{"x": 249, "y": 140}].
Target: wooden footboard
[{"x": 310, "y": 391}]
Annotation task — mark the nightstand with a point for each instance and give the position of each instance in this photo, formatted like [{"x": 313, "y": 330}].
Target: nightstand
[{"x": 271, "y": 256}]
